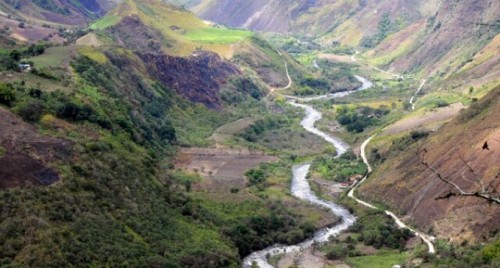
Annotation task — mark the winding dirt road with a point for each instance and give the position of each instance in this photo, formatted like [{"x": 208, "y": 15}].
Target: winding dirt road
[
  {"x": 427, "y": 239},
  {"x": 301, "y": 189}
]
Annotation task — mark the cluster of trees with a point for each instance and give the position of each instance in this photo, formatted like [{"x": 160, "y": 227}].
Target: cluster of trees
[
  {"x": 384, "y": 26},
  {"x": 254, "y": 131},
  {"x": 357, "y": 119},
  {"x": 256, "y": 176},
  {"x": 378, "y": 230},
  {"x": 261, "y": 231},
  {"x": 315, "y": 83},
  {"x": 111, "y": 209},
  {"x": 10, "y": 58},
  {"x": 338, "y": 169},
  {"x": 342, "y": 250}
]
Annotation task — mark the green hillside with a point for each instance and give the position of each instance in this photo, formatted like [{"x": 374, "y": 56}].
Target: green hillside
[{"x": 134, "y": 133}]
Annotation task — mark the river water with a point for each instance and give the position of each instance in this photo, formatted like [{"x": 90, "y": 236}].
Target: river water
[{"x": 301, "y": 189}]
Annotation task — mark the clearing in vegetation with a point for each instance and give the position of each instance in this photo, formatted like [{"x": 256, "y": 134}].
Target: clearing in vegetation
[{"x": 217, "y": 35}]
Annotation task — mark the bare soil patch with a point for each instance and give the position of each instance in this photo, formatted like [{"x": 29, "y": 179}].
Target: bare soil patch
[
  {"x": 221, "y": 169},
  {"x": 428, "y": 121},
  {"x": 29, "y": 32},
  {"x": 335, "y": 57},
  {"x": 28, "y": 156},
  {"x": 88, "y": 40},
  {"x": 226, "y": 131}
]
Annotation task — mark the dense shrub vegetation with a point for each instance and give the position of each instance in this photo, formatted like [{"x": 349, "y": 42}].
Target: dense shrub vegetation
[
  {"x": 357, "y": 119},
  {"x": 338, "y": 169},
  {"x": 260, "y": 126},
  {"x": 258, "y": 232},
  {"x": 116, "y": 206},
  {"x": 10, "y": 58}
]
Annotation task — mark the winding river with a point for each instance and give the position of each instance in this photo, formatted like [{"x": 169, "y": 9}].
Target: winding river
[{"x": 301, "y": 189}]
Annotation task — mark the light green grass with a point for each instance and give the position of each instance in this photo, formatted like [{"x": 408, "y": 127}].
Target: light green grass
[
  {"x": 217, "y": 35},
  {"x": 53, "y": 57},
  {"x": 378, "y": 261},
  {"x": 432, "y": 99},
  {"x": 105, "y": 22}
]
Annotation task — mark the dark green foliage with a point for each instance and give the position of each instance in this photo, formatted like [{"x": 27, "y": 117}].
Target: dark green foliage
[
  {"x": 356, "y": 120},
  {"x": 417, "y": 135},
  {"x": 7, "y": 94},
  {"x": 442, "y": 103},
  {"x": 258, "y": 232},
  {"x": 149, "y": 126},
  {"x": 15, "y": 55},
  {"x": 316, "y": 83},
  {"x": 464, "y": 256},
  {"x": 30, "y": 110},
  {"x": 74, "y": 112},
  {"x": 256, "y": 176},
  {"x": 385, "y": 27},
  {"x": 10, "y": 58},
  {"x": 268, "y": 123},
  {"x": 379, "y": 230},
  {"x": 338, "y": 169},
  {"x": 117, "y": 205}
]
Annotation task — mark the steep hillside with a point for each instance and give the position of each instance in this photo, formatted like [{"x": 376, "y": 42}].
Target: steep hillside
[
  {"x": 458, "y": 152},
  {"x": 298, "y": 16},
  {"x": 67, "y": 12},
  {"x": 444, "y": 42},
  {"x": 308, "y": 17},
  {"x": 88, "y": 134},
  {"x": 403, "y": 35},
  {"x": 177, "y": 31}
]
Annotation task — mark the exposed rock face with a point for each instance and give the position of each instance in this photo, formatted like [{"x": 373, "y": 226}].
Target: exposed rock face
[
  {"x": 28, "y": 155},
  {"x": 407, "y": 185},
  {"x": 197, "y": 78}
]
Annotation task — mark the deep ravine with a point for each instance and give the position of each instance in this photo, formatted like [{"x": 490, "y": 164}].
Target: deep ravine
[{"x": 301, "y": 189}]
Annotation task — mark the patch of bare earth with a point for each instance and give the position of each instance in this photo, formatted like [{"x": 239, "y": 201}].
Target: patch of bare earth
[
  {"x": 310, "y": 258},
  {"x": 334, "y": 57},
  {"x": 221, "y": 169},
  {"x": 88, "y": 40},
  {"x": 30, "y": 33},
  {"x": 28, "y": 155},
  {"x": 428, "y": 121},
  {"x": 227, "y": 131}
]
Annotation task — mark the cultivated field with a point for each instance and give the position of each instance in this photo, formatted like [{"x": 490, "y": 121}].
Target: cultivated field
[{"x": 221, "y": 169}]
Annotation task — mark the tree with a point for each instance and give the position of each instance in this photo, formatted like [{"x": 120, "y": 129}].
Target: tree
[
  {"x": 483, "y": 191},
  {"x": 256, "y": 176},
  {"x": 15, "y": 55},
  {"x": 30, "y": 110},
  {"x": 7, "y": 94}
]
